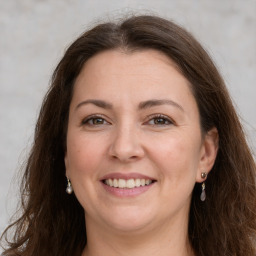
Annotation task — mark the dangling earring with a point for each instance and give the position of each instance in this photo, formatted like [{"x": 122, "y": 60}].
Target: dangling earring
[
  {"x": 69, "y": 188},
  {"x": 203, "y": 194}
]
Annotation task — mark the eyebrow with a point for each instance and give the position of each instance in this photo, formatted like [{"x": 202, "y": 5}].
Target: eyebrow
[
  {"x": 98, "y": 103},
  {"x": 142, "y": 105},
  {"x": 156, "y": 102}
]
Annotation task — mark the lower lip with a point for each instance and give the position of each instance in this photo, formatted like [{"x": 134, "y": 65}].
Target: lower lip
[{"x": 127, "y": 192}]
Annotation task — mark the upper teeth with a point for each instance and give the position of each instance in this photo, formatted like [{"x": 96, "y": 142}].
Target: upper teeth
[{"x": 131, "y": 183}]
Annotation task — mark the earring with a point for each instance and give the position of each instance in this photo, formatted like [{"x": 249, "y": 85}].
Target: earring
[
  {"x": 203, "y": 175},
  {"x": 203, "y": 194},
  {"x": 69, "y": 188}
]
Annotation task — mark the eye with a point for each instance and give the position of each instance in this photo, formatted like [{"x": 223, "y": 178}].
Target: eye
[
  {"x": 159, "y": 120},
  {"x": 94, "y": 121}
]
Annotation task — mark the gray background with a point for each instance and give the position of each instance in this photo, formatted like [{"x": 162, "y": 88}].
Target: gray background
[{"x": 34, "y": 34}]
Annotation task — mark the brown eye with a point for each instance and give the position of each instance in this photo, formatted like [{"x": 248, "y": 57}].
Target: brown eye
[
  {"x": 160, "y": 120},
  {"x": 97, "y": 121},
  {"x": 94, "y": 121}
]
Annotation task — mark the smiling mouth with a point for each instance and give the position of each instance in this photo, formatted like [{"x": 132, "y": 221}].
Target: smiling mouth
[{"x": 126, "y": 184}]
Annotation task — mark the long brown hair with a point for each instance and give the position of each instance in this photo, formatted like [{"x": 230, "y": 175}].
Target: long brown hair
[{"x": 52, "y": 222}]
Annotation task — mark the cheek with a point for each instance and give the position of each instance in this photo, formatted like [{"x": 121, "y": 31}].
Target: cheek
[
  {"x": 83, "y": 155},
  {"x": 178, "y": 157},
  {"x": 83, "y": 160},
  {"x": 177, "y": 163}
]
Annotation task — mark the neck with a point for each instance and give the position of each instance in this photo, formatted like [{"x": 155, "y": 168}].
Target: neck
[{"x": 171, "y": 240}]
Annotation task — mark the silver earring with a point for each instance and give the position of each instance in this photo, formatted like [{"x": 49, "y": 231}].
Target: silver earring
[
  {"x": 204, "y": 175},
  {"x": 203, "y": 194},
  {"x": 69, "y": 188}
]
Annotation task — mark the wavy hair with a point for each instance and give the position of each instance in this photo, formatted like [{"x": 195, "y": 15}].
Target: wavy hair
[{"x": 52, "y": 222}]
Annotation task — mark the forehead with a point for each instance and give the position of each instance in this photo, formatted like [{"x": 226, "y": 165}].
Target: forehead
[
  {"x": 145, "y": 58},
  {"x": 136, "y": 64},
  {"x": 139, "y": 75}
]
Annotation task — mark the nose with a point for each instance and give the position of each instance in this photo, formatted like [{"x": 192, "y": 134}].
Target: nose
[{"x": 126, "y": 144}]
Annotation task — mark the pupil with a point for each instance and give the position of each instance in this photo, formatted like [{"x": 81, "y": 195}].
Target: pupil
[
  {"x": 159, "y": 121},
  {"x": 97, "y": 121}
]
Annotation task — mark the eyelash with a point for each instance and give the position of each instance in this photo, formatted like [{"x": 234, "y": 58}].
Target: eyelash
[
  {"x": 92, "y": 118},
  {"x": 165, "y": 119},
  {"x": 162, "y": 118}
]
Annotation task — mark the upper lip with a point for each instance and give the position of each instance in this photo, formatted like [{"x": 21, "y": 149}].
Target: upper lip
[{"x": 126, "y": 176}]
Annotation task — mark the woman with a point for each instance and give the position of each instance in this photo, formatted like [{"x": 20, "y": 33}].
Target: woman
[{"x": 138, "y": 151}]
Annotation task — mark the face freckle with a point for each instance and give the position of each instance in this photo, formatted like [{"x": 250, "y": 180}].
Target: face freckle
[{"x": 141, "y": 122}]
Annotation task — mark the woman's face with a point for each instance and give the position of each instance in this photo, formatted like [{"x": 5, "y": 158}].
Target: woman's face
[{"x": 134, "y": 144}]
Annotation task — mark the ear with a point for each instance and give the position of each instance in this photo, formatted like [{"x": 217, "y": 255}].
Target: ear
[{"x": 208, "y": 153}]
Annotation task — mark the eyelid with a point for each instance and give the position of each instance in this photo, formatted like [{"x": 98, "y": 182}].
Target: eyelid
[
  {"x": 93, "y": 116},
  {"x": 148, "y": 119},
  {"x": 155, "y": 116}
]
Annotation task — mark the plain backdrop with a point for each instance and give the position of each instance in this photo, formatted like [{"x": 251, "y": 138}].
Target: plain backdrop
[{"x": 35, "y": 33}]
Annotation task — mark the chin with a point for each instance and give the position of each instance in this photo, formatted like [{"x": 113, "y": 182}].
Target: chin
[{"x": 130, "y": 219}]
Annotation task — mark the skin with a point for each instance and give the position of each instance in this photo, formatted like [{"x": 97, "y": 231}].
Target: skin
[{"x": 130, "y": 137}]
